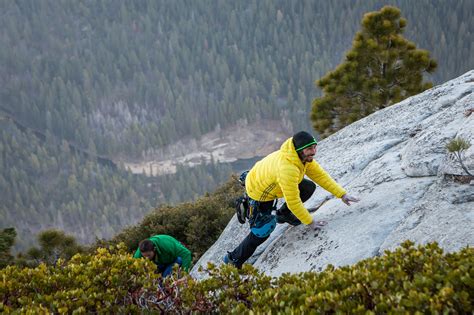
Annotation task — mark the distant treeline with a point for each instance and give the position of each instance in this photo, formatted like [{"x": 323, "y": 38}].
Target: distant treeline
[
  {"x": 46, "y": 185},
  {"x": 123, "y": 77},
  {"x": 119, "y": 78}
]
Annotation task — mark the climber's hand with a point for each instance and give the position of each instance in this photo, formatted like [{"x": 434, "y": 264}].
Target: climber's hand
[{"x": 348, "y": 199}]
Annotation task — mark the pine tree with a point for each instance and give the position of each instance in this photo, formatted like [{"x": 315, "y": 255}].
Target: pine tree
[
  {"x": 54, "y": 244},
  {"x": 381, "y": 69},
  {"x": 7, "y": 239}
]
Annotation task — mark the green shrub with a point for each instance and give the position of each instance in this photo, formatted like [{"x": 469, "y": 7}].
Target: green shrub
[
  {"x": 54, "y": 244},
  {"x": 457, "y": 146},
  {"x": 103, "y": 282},
  {"x": 408, "y": 280},
  {"x": 7, "y": 239}
]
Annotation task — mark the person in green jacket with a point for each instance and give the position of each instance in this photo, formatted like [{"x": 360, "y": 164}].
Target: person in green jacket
[{"x": 165, "y": 251}]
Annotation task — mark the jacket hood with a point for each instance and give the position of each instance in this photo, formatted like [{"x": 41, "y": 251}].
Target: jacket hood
[{"x": 288, "y": 151}]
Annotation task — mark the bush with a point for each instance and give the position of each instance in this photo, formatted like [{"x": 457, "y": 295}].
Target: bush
[
  {"x": 103, "y": 282},
  {"x": 407, "y": 280},
  {"x": 7, "y": 239},
  {"x": 457, "y": 146},
  {"x": 54, "y": 244}
]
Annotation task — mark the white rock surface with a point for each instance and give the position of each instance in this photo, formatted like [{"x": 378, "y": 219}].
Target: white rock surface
[{"x": 395, "y": 161}]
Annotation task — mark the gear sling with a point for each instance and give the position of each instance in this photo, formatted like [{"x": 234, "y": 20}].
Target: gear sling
[{"x": 261, "y": 215}]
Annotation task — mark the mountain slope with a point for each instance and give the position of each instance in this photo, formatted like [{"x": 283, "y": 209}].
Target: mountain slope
[{"x": 396, "y": 162}]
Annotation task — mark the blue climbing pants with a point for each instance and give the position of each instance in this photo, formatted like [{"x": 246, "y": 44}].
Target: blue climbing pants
[
  {"x": 263, "y": 222},
  {"x": 166, "y": 270}
]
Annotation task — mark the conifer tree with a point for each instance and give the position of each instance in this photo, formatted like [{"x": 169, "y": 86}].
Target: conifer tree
[
  {"x": 54, "y": 244},
  {"x": 381, "y": 69},
  {"x": 7, "y": 239}
]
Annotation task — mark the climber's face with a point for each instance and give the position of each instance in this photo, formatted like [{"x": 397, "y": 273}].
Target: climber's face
[
  {"x": 149, "y": 255},
  {"x": 307, "y": 154}
]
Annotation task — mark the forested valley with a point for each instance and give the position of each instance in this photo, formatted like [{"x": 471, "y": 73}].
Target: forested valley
[{"x": 85, "y": 82}]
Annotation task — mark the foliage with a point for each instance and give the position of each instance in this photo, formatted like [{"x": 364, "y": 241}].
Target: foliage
[
  {"x": 7, "y": 239},
  {"x": 102, "y": 282},
  {"x": 381, "y": 69},
  {"x": 196, "y": 224},
  {"x": 407, "y": 280},
  {"x": 456, "y": 147},
  {"x": 54, "y": 245}
]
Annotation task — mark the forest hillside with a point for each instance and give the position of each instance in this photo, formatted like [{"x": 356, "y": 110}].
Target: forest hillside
[{"x": 86, "y": 87}]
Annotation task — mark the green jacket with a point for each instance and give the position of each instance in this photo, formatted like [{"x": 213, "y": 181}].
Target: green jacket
[{"x": 167, "y": 249}]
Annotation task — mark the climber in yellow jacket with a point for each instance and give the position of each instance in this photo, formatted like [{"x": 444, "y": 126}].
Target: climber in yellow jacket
[{"x": 281, "y": 174}]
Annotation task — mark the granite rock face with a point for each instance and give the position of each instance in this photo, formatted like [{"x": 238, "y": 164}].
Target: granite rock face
[{"x": 410, "y": 187}]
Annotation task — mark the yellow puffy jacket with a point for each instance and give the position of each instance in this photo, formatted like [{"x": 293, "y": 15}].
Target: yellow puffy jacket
[{"x": 278, "y": 175}]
